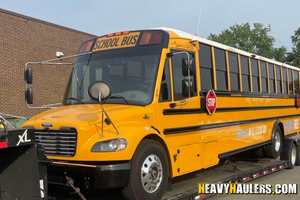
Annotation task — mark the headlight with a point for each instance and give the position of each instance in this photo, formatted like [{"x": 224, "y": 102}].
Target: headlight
[{"x": 110, "y": 145}]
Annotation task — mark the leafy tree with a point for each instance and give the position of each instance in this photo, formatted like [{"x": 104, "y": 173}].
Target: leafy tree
[
  {"x": 294, "y": 56},
  {"x": 256, "y": 40}
]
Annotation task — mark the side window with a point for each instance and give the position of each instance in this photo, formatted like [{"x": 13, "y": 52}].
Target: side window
[
  {"x": 206, "y": 68},
  {"x": 221, "y": 69},
  {"x": 264, "y": 77},
  {"x": 284, "y": 80},
  {"x": 296, "y": 82},
  {"x": 234, "y": 71},
  {"x": 245, "y": 74},
  {"x": 165, "y": 88},
  {"x": 178, "y": 78},
  {"x": 291, "y": 89},
  {"x": 278, "y": 80},
  {"x": 255, "y": 75},
  {"x": 271, "y": 78}
]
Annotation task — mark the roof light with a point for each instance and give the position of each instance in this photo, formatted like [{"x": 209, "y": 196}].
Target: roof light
[
  {"x": 125, "y": 32},
  {"x": 110, "y": 35},
  {"x": 118, "y": 33},
  {"x": 86, "y": 46},
  {"x": 151, "y": 38},
  {"x": 156, "y": 38}
]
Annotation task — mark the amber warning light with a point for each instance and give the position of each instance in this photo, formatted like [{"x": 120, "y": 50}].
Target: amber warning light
[{"x": 86, "y": 46}]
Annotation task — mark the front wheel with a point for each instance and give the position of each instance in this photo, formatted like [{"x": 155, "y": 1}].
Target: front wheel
[{"x": 149, "y": 172}]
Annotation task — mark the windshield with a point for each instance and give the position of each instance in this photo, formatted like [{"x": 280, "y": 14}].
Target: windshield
[{"x": 131, "y": 72}]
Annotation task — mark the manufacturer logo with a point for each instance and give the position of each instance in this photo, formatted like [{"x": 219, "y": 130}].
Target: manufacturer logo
[
  {"x": 46, "y": 125},
  {"x": 211, "y": 102},
  {"x": 23, "y": 138}
]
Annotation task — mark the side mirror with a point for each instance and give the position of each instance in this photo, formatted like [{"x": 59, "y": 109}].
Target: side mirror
[
  {"x": 187, "y": 86},
  {"x": 101, "y": 88},
  {"x": 29, "y": 95},
  {"x": 28, "y": 75},
  {"x": 186, "y": 65}
]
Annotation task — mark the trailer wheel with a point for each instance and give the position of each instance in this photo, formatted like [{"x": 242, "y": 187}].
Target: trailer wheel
[
  {"x": 297, "y": 163},
  {"x": 273, "y": 150},
  {"x": 292, "y": 156},
  {"x": 149, "y": 172}
]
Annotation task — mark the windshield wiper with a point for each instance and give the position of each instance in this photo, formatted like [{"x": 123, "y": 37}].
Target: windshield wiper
[
  {"x": 118, "y": 97},
  {"x": 75, "y": 99}
]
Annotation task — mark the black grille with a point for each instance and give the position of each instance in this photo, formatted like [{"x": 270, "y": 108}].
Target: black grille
[{"x": 57, "y": 143}]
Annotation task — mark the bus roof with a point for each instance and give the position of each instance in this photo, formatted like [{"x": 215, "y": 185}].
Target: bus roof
[{"x": 182, "y": 34}]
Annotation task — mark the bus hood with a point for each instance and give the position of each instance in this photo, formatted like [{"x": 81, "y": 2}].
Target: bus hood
[{"x": 82, "y": 115}]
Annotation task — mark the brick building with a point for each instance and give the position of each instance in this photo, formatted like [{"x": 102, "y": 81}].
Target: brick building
[{"x": 24, "y": 39}]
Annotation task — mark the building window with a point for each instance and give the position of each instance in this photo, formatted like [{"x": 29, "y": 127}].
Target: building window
[
  {"x": 245, "y": 74},
  {"x": 278, "y": 80},
  {"x": 206, "y": 68},
  {"x": 255, "y": 75},
  {"x": 234, "y": 71},
  {"x": 271, "y": 78},
  {"x": 264, "y": 77},
  {"x": 221, "y": 69}
]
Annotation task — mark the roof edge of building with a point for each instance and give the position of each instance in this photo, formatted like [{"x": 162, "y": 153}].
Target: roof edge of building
[{"x": 44, "y": 22}]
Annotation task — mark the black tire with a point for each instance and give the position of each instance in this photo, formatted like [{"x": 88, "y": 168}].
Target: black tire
[
  {"x": 274, "y": 149},
  {"x": 148, "y": 152},
  {"x": 292, "y": 156},
  {"x": 297, "y": 163}
]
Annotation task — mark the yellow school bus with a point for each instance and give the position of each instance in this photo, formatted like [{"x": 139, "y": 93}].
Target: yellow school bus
[{"x": 142, "y": 107}]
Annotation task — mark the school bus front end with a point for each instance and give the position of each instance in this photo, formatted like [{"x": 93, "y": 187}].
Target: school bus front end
[{"x": 95, "y": 142}]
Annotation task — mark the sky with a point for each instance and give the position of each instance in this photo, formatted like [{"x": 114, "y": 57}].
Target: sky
[{"x": 101, "y": 17}]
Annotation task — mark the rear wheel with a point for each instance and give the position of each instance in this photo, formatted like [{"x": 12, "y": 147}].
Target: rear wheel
[
  {"x": 297, "y": 163},
  {"x": 149, "y": 172},
  {"x": 273, "y": 150}
]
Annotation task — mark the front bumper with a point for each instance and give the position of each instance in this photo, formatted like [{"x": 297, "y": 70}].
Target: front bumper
[{"x": 99, "y": 175}]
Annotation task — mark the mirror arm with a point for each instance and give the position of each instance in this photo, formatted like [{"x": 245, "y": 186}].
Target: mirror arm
[{"x": 103, "y": 111}]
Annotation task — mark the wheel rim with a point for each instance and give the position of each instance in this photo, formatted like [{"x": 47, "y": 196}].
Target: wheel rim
[
  {"x": 151, "y": 173},
  {"x": 293, "y": 156},
  {"x": 277, "y": 141}
]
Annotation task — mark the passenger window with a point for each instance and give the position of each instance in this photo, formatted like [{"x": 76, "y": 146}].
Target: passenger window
[
  {"x": 221, "y": 69},
  {"x": 278, "y": 80},
  {"x": 245, "y": 74},
  {"x": 296, "y": 82},
  {"x": 234, "y": 71},
  {"x": 165, "y": 88},
  {"x": 255, "y": 75},
  {"x": 271, "y": 78},
  {"x": 291, "y": 89},
  {"x": 264, "y": 77},
  {"x": 284, "y": 80},
  {"x": 206, "y": 68},
  {"x": 178, "y": 78}
]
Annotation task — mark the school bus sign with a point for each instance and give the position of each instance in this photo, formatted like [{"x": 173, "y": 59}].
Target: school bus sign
[{"x": 116, "y": 41}]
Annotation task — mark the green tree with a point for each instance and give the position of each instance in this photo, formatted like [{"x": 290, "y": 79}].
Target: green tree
[
  {"x": 256, "y": 40},
  {"x": 294, "y": 56}
]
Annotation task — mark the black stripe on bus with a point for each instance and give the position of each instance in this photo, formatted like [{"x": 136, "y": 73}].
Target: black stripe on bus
[
  {"x": 220, "y": 125},
  {"x": 225, "y": 109},
  {"x": 230, "y": 153},
  {"x": 250, "y": 94}
]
